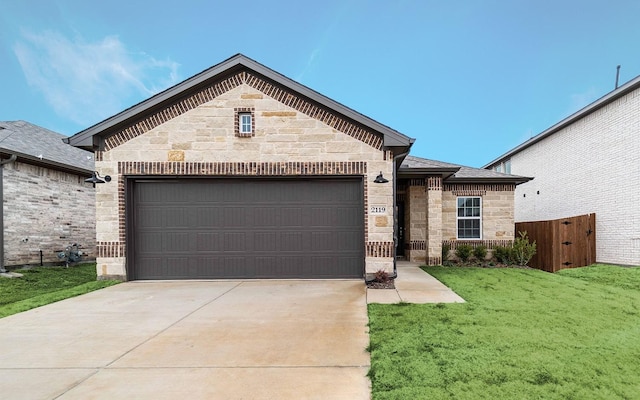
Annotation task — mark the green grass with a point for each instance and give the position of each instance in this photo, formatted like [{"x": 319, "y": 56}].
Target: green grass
[
  {"x": 523, "y": 334},
  {"x": 44, "y": 285}
]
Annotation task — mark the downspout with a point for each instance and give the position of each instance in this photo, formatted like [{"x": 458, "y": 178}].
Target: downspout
[{"x": 2, "y": 163}]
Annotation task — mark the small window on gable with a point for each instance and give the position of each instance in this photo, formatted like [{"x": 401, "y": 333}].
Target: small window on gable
[{"x": 245, "y": 124}]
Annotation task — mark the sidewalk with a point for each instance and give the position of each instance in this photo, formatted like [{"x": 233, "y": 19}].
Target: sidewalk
[{"x": 413, "y": 285}]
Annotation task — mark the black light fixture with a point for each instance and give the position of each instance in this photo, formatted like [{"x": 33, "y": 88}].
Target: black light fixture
[
  {"x": 96, "y": 178},
  {"x": 380, "y": 179}
]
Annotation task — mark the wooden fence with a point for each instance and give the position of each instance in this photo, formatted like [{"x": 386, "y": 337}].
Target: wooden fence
[{"x": 562, "y": 243}]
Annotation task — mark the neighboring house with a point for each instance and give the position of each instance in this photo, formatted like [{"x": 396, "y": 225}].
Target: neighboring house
[
  {"x": 587, "y": 163},
  {"x": 241, "y": 172},
  {"x": 47, "y": 204}
]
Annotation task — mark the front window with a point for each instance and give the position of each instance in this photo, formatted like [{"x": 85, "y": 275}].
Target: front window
[{"x": 469, "y": 218}]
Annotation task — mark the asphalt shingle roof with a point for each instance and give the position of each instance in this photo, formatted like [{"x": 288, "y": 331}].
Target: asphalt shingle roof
[
  {"x": 464, "y": 172},
  {"x": 26, "y": 139}
]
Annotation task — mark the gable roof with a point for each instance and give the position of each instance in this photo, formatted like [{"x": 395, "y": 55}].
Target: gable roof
[
  {"x": 453, "y": 173},
  {"x": 93, "y": 137},
  {"x": 596, "y": 105},
  {"x": 40, "y": 146}
]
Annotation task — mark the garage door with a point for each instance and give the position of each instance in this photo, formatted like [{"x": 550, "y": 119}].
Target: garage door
[{"x": 247, "y": 228}]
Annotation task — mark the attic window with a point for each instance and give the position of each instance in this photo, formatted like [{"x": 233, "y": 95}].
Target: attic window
[
  {"x": 504, "y": 167},
  {"x": 245, "y": 124}
]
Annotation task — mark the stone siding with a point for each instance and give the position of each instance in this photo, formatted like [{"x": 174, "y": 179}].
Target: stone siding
[
  {"x": 431, "y": 207},
  {"x": 203, "y": 141},
  {"x": 45, "y": 210},
  {"x": 590, "y": 166},
  {"x": 497, "y": 210}
]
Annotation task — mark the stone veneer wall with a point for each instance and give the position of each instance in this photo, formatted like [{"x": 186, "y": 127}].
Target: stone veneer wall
[
  {"x": 46, "y": 210},
  {"x": 497, "y": 210},
  {"x": 416, "y": 228},
  {"x": 431, "y": 207},
  {"x": 197, "y": 137}
]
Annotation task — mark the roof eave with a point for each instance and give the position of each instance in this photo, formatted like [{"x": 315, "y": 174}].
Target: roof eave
[
  {"x": 514, "y": 180},
  {"x": 408, "y": 173},
  {"x": 29, "y": 159},
  {"x": 85, "y": 139}
]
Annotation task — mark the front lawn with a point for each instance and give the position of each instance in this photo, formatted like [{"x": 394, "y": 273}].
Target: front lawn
[
  {"x": 523, "y": 334},
  {"x": 44, "y": 285}
]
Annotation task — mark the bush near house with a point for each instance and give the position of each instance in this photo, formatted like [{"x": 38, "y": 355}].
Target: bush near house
[{"x": 463, "y": 252}]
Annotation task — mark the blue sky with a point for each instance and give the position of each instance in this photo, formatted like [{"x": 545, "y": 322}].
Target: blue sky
[{"x": 468, "y": 79}]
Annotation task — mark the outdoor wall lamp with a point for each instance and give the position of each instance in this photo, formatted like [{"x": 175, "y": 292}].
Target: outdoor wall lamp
[
  {"x": 96, "y": 178},
  {"x": 380, "y": 179}
]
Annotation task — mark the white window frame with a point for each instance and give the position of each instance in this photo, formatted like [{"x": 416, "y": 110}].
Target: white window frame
[
  {"x": 468, "y": 218},
  {"x": 245, "y": 126}
]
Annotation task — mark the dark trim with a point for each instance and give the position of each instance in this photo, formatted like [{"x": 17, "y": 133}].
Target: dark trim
[
  {"x": 596, "y": 105},
  {"x": 517, "y": 180},
  {"x": 129, "y": 227}
]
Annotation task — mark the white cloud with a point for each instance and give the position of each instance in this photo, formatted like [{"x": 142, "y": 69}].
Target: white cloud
[{"x": 89, "y": 81}]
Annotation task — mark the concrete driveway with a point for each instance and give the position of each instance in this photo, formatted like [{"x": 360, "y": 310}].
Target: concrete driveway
[{"x": 192, "y": 340}]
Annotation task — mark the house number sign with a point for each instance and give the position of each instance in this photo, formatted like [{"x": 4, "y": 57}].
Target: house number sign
[{"x": 377, "y": 210}]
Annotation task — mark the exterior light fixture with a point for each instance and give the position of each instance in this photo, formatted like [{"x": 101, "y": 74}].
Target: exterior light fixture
[
  {"x": 380, "y": 179},
  {"x": 96, "y": 178}
]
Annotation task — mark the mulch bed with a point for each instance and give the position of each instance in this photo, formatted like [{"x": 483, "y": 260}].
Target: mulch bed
[{"x": 381, "y": 285}]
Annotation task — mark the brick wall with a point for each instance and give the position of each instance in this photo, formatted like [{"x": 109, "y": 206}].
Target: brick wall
[
  {"x": 45, "y": 210},
  {"x": 591, "y": 166},
  {"x": 289, "y": 139}
]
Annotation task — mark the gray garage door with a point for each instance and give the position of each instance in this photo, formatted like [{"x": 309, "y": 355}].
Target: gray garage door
[{"x": 247, "y": 228}]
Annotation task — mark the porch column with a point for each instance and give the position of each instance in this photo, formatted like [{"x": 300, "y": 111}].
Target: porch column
[
  {"x": 434, "y": 220},
  {"x": 417, "y": 232}
]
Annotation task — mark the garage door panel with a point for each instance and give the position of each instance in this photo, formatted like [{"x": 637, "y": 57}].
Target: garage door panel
[
  {"x": 248, "y": 228},
  {"x": 291, "y": 217},
  {"x": 265, "y": 242},
  {"x": 207, "y": 241},
  {"x": 291, "y": 241}
]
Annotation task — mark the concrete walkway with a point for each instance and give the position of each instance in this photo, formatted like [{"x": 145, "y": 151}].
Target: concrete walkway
[
  {"x": 413, "y": 285},
  {"x": 192, "y": 340}
]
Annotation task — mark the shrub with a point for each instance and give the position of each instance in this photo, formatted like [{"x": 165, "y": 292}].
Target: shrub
[
  {"x": 463, "y": 252},
  {"x": 480, "y": 253},
  {"x": 445, "y": 252},
  {"x": 381, "y": 276},
  {"x": 502, "y": 254},
  {"x": 522, "y": 250}
]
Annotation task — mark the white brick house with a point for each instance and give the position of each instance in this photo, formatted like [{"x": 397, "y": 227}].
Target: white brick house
[
  {"x": 241, "y": 172},
  {"x": 46, "y": 203},
  {"x": 587, "y": 163}
]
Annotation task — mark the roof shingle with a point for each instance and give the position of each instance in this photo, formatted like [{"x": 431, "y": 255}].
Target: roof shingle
[{"x": 37, "y": 143}]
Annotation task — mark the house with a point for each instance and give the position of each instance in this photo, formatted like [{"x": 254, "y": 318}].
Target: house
[
  {"x": 587, "y": 163},
  {"x": 47, "y": 204},
  {"x": 241, "y": 172},
  {"x": 441, "y": 203}
]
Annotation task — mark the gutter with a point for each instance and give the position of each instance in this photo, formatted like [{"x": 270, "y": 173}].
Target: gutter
[{"x": 2, "y": 163}]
